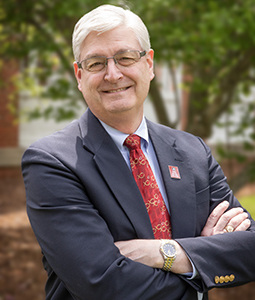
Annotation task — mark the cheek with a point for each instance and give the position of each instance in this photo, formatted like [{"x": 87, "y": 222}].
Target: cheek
[
  {"x": 147, "y": 74},
  {"x": 88, "y": 85},
  {"x": 145, "y": 82}
]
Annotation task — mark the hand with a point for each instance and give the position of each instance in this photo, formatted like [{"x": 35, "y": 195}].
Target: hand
[
  {"x": 219, "y": 219},
  {"x": 147, "y": 252},
  {"x": 143, "y": 251}
]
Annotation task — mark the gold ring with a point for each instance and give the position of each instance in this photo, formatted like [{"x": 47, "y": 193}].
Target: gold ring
[{"x": 229, "y": 228}]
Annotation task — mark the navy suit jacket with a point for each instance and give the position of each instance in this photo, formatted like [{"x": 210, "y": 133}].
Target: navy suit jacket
[{"x": 82, "y": 197}]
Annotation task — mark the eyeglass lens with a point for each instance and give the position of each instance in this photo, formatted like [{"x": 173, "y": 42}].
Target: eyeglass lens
[{"x": 98, "y": 63}]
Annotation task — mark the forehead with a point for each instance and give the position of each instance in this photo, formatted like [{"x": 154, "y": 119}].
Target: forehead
[{"x": 109, "y": 42}]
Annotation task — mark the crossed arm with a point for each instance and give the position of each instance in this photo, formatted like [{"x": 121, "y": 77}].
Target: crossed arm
[{"x": 147, "y": 251}]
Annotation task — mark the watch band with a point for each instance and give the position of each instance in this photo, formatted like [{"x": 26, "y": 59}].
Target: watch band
[{"x": 168, "y": 262}]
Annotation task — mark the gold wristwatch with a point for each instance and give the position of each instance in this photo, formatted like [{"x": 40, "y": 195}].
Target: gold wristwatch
[{"x": 168, "y": 250}]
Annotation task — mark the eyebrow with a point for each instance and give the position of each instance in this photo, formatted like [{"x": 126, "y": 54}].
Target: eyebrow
[
  {"x": 100, "y": 55},
  {"x": 93, "y": 55}
]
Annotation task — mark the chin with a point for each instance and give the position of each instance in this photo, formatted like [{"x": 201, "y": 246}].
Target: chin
[{"x": 120, "y": 105}]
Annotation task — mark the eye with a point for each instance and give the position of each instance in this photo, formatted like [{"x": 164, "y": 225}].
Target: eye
[
  {"x": 126, "y": 58},
  {"x": 95, "y": 64}
]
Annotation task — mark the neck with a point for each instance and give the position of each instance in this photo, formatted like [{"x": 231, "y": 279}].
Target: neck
[{"x": 124, "y": 124}]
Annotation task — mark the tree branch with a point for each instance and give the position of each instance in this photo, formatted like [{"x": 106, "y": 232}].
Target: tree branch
[
  {"x": 49, "y": 37},
  {"x": 228, "y": 85}
]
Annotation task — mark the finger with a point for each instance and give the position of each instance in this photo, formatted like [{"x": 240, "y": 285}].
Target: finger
[
  {"x": 214, "y": 217},
  {"x": 244, "y": 225},
  {"x": 226, "y": 218},
  {"x": 238, "y": 219},
  {"x": 216, "y": 214}
]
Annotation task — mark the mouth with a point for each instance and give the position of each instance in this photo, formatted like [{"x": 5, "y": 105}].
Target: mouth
[{"x": 117, "y": 90}]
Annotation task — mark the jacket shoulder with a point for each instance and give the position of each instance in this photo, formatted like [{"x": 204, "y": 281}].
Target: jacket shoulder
[{"x": 176, "y": 137}]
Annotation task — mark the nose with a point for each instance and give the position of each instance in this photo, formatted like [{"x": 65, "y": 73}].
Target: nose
[{"x": 113, "y": 73}]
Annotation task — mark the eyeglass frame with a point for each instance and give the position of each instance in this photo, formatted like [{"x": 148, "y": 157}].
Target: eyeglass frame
[{"x": 141, "y": 53}]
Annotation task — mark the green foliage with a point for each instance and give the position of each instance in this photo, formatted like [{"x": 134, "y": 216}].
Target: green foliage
[
  {"x": 248, "y": 202},
  {"x": 38, "y": 34},
  {"x": 214, "y": 41}
]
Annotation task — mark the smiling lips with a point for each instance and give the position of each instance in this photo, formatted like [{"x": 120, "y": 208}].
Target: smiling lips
[{"x": 117, "y": 90}]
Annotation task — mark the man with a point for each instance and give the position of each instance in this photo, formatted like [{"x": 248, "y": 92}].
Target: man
[{"x": 85, "y": 202}]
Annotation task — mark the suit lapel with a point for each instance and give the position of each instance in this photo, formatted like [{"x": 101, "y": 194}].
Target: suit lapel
[
  {"x": 180, "y": 192},
  {"x": 112, "y": 166},
  {"x": 116, "y": 173}
]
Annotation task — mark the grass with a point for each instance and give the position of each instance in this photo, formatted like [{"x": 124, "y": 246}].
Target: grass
[{"x": 248, "y": 202}]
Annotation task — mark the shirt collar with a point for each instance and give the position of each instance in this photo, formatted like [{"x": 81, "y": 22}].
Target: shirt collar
[{"x": 119, "y": 137}]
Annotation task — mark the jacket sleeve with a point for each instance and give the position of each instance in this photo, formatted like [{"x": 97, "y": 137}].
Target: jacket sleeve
[
  {"x": 77, "y": 243},
  {"x": 225, "y": 259}
]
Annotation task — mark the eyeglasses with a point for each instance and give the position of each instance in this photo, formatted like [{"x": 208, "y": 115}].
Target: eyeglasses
[{"x": 98, "y": 63}]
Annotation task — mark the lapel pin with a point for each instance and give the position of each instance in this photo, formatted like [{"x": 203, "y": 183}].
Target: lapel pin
[{"x": 174, "y": 172}]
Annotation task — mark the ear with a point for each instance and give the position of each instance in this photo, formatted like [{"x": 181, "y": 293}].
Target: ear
[
  {"x": 150, "y": 56},
  {"x": 77, "y": 72}
]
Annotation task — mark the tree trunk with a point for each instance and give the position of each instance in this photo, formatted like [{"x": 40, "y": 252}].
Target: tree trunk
[{"x": 158, "y": 104}]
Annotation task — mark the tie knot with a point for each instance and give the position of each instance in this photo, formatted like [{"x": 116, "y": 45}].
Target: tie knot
[{"x": 133, "y": 142}]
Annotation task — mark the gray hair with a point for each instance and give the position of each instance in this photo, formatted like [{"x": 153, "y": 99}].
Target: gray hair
[{"x": 107, "y": 17}]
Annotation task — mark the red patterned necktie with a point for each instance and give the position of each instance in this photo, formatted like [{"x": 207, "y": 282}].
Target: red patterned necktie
[{"x": 156, "y": 208}]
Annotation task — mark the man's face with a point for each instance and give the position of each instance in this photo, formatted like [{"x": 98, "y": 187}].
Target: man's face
[{"x": 116, "y": 91}]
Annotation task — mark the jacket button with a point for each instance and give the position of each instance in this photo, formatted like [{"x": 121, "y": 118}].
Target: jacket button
[
  {"x": 217, "y": 279},
  {"x": 232, "y": 277},
  {"x": 222, "y": 279}
]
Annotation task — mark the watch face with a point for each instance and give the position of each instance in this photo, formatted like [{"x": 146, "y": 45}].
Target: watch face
[{"x": 169, "y": 249}]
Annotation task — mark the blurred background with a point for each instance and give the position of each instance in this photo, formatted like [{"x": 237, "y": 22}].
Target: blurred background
[{"x": 205, "y": 84}]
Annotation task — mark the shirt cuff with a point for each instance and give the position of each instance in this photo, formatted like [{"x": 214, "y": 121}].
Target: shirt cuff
[{"x": 193, "y": 274}]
